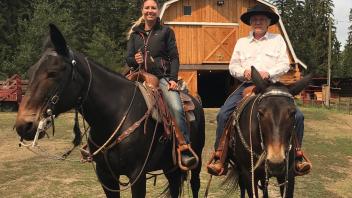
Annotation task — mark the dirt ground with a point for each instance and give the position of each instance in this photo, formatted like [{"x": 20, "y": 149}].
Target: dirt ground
[{"x": 328, "y": 140}]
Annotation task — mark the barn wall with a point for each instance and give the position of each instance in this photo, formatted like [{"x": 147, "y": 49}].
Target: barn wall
[
  {"x": 212, "y": 42},
  {"x": 199, "y": 44},
  {"x": 205, "y": 11}
]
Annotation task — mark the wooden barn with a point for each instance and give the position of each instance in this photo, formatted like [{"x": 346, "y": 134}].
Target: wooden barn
[{"x": 206, "y": 33}]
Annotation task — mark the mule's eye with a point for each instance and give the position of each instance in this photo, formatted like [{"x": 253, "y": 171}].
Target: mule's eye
[
  {"x": 52, "y": 74},
  {"x": 261, "y": 112},
  {"x": 292, "y": 112}
]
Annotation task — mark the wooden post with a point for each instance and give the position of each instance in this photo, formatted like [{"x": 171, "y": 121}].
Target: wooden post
[
  {"x": 349, "y": 105},
  {"x": 327, "y": 101}
]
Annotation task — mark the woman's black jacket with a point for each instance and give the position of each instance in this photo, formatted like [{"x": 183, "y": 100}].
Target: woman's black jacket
[{"x": 161, "y": 47}]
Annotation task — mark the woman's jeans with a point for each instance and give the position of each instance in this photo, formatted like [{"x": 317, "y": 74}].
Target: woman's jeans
[{"x": 173, "y": 101}]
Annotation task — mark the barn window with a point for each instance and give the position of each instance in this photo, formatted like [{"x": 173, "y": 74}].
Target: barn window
[
  {"x": 187, "y": 10},
  {"x": 220, "y": 3}
]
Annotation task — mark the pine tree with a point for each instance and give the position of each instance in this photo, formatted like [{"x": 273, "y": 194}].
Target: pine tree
[
  {"x": 307, "y": 25},
  {"x": 347, "y": 53},
  {"x": 33, "y": 32},
  {"x": 10, "y": 13}
]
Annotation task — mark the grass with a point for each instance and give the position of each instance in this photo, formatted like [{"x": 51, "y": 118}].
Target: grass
[{"x": 328, "y": 140}]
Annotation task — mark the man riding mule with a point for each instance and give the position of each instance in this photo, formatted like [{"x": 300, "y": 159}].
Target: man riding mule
[
  {"x": 150, "y": 41},
  {"x": 267, "y": 52}
]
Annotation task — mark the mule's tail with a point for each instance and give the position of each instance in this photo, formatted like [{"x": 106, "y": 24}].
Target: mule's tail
[{"x": 230, "y": 182}]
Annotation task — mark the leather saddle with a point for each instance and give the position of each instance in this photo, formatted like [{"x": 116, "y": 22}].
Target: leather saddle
[{"x": 148, "y": 84}]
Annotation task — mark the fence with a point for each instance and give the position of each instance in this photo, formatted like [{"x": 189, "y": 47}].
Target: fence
[{"x": 342, "y": 104}]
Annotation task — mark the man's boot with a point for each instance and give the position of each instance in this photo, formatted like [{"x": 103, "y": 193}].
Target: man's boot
[
  {"x": 302, "y": 164},
  {"x": 217, "y": 165}
]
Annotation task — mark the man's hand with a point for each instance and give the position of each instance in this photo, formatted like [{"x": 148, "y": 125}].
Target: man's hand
[
  {"x": 265, "y": 75},
  {"x": 139, "y": 57},
  {"x": 172, "y": 85},
  {"x": 247, "y": 75}
]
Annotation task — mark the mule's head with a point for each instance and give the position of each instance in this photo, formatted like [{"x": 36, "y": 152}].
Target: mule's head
[
  {"x": 276, "y": 117},
  {"x": 51, "y": 89}
]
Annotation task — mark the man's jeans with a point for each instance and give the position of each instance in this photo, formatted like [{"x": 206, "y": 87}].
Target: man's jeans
[
  {"x": 231, "y": 103},
  {"x": 173, "y": 101}
]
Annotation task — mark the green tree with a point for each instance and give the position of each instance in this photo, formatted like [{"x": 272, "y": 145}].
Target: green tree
[
  {"x": 96, "y": 28},
  {"x": 307, "y": 24},
  {"x": 103, "y": 49},
  {"x": 346, "y": 66},
  {"x": 33, "y": 32},
  {"x": 10, "y": 13}
]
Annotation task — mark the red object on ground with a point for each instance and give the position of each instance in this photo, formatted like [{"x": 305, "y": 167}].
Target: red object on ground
[{"x": 11, "y": 89}]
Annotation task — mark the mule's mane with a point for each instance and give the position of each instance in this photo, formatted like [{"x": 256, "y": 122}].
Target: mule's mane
[{"x": 108, "y": 70}]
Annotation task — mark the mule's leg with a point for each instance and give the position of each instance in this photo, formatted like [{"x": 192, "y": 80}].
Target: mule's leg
[
  {"x": 265, "y": 189},
  {"x": 195, "y": 180},
  {"x": 108, "y": 182},
  {"x": 248, "y": 185},
  {"x": 290, "y": 186},
  {"x": 139, "y": 186},
  {"x": 242, "y": 186},
  {"x": 256, "y": 188},
  {"x": 174, "y": 179}
]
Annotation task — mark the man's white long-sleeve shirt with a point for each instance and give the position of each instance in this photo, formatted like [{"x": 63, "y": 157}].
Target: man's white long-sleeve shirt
[{"x": 267, "y": 54}]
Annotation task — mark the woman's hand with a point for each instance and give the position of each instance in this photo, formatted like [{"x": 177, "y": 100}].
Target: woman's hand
[
  {"x": 172, "y": 85},
  {"x": 139, "y": 57}
]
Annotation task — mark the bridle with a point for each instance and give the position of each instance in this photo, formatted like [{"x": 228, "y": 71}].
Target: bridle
[
  {"x": 48, "y": 108},
  {"x": 257, "y": 100},
  {"x": 53, "y": 98}
]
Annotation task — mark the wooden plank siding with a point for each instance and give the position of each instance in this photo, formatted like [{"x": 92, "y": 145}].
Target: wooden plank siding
[
  {"x": 205, "y": 11},
  {"x": 207, "y": 37},
  {"x": 192, "y": 40}
]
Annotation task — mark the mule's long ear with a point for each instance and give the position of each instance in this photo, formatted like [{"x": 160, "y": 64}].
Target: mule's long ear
[
  {"x": 300, "y": 85},
  {"x": 258, "y": 80},
  {"x": 58, "y": 40}
]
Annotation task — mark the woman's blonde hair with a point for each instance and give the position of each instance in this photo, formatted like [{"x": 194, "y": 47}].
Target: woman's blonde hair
[{"x": 140, "y": 20}]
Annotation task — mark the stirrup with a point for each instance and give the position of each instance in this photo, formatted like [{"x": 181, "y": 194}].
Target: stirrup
[
  {"x": 182, "y": 148},
  {"x": 216, "y": 167},
  {"x": 305, "y": 161}
]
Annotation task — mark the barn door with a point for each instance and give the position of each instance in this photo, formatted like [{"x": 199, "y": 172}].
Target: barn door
[
  {"x": 190, "y": 78},
  {"x": 219, "y": 43}
]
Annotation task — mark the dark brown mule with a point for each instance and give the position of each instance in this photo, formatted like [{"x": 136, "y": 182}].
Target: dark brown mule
[
  {"x": 63, "y": 79},
  {"x": 262, "y": 138}
]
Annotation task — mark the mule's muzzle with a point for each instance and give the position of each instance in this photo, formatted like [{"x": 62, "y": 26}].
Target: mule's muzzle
[
  {"x": 276, "y": 169},
  {"x": 27, "y": 130}
]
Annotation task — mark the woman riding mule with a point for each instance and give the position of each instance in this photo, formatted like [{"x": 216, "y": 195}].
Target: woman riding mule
[
  {"x": 148, "y": 38},
  {"x": 267, "y": 52},
  {"x": 123, "y": 138}
]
